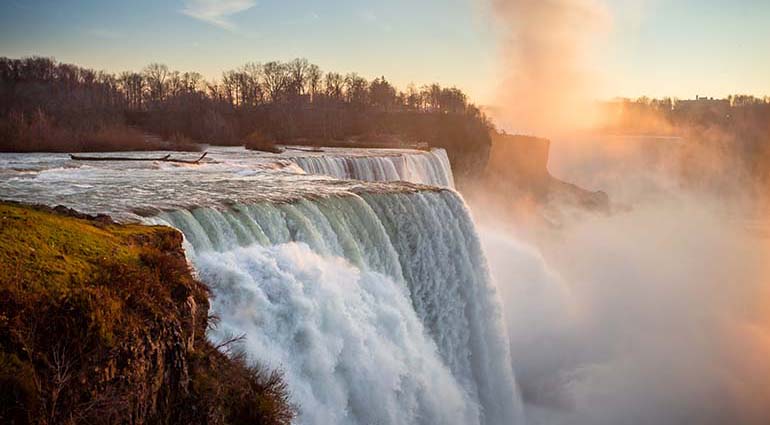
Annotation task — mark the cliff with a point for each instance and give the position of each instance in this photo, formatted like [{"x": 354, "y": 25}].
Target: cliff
[
  {"x": 104, "y": 323},
  {"x": 520, "y": 160},
  {"x": 516, "y": 182}
]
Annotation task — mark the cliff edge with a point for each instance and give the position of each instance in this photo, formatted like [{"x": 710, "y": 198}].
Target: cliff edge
[
  {"x": 104, "y": 323},
  {"x": 516, "y": 184}
]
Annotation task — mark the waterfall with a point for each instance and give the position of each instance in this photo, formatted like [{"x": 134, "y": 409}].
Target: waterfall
[
  {"x": 430, "y": 168},
  {"x": 372, "y": 297},
  {"x": 378, "y": 307}
]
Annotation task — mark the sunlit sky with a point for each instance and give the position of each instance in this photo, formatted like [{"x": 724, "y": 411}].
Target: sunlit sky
[{"x": 655, "y": 47}]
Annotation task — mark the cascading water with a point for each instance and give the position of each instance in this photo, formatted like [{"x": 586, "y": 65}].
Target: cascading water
[
  {"x": 378, "y": 306},
  {"x": 372, "y": 297},
  {"x": 431, "y": 167}
]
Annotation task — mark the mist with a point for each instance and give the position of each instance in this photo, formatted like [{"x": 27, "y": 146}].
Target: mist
[
  {"x": 657, "y": 313},
  {"x": 546, "y": 81}
]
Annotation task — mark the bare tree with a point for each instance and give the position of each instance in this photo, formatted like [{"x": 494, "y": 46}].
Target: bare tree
[
  {"x": 298, "y": 69},
  {"x": 155, "y": 74},
  {"x": 276, "y": 80},
  {"x": 192, "y": 82},
  {"x": 334, "y": 85},
  {"x": 230, "y": 87},
  {"x": 430, "y": 96},
  {"x": 412, "y": 97},
  {"x": 132, "y": 85},
  {"x": 175, "y": 86},
  {"x": 314, "y": 76},
  {"x": 252, "y": 91},
  {"x": 356, "y": 89}
]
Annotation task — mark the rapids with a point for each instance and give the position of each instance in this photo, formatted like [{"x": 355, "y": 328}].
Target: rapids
[{"x": 129, "y": 190}]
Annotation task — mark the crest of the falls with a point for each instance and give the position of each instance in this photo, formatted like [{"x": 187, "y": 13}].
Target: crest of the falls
[
  {"x": 128, "y": 190},
  {"x": 378, "y": 307}
]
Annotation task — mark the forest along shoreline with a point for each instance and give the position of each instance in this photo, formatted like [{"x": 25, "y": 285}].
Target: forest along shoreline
[{"x": 48, "y": 106}]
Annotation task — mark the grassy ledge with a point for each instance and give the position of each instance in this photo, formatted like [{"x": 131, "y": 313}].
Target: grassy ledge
[{"x": 104, "y": 323}]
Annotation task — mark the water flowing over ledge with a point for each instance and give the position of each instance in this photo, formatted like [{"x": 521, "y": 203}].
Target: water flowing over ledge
[
  {"x": 426, "y": 167},
  {"x": 131, "y": 190},
  {"x": 378, "y": 307},
  {"x": 373, "y": 297}
]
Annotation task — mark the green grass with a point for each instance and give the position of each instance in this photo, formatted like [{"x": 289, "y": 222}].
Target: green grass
[{"x": 50, "y": 252}]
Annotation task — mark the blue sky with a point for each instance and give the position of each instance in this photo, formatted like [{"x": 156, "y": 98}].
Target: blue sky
[
  {"x": 655, "y": 47},
  {"x": 689, "y": 47}
]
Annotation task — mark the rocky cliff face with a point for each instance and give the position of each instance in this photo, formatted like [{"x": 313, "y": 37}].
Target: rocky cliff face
[
  {"x": 522, "y": 161},
  {"x": 104, "y": 323},
  {"x": 516, "y": 182}
]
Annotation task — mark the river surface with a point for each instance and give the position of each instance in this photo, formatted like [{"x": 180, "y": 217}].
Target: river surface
[{"x": 132, "y": 189}]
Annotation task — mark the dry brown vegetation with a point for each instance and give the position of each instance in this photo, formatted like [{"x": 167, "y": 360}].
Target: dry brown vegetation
[
  {"x": 259, "y": 142},
  {"x": 38, "y": 132}
]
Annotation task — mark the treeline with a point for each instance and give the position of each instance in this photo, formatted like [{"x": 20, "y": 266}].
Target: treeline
[
  {"x": 285, "y": 102},
  {"x": 731, "y": 135},
  {"x": 672, "y": 116}
]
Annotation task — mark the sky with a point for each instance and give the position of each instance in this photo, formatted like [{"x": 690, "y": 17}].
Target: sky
[{"x": 678, "y": 48}]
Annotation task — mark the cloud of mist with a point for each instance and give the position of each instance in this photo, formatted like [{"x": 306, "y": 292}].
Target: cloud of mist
[
  {"x": 633, "y": 169},
  {"x": 629, "y": 169},
  {"x": 658, "y": 313},
  {"x": 546, "y": 48}
]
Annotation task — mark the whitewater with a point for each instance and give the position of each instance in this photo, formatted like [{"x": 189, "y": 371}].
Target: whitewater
[{"x": 357, "y": 273}]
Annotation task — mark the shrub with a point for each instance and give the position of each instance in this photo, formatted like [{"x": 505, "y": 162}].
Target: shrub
[
  {"x": 259, "y": 142},
  {"x": 180, "y": 142},
  {"x": 236, "y": 392},
  {"x": 108, "y": 139}
]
